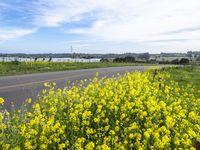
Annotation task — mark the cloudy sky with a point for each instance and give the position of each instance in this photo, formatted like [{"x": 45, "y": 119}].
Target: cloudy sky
[{"x": 99, "y": 26}]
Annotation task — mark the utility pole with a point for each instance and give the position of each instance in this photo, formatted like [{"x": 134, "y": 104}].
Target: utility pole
[{"x": 72, "y": 51}]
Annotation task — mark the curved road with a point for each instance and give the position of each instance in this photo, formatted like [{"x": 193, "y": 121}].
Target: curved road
[{"x": 16, "y": 89}]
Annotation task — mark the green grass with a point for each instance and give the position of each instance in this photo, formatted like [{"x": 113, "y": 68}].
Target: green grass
[
  {"x": 186, "y": 75},
  {"x": 18, "y": 68}
]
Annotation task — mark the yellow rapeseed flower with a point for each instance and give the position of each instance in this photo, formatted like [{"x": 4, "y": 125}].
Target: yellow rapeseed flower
[
  {"x": 1, "y": 101},
  {"x": 132, "y": 111}
]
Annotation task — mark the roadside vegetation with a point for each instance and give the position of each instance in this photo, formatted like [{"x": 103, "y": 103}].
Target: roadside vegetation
[
  {"x": 17, "y": 68},
  {"x": 185, "y": 75},
  {"x": 135, "y": 111}
]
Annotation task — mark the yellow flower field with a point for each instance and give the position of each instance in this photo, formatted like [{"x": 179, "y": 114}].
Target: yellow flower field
[{"x": 134, "y": 111}]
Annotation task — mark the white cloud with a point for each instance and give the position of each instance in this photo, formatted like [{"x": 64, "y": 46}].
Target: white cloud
[
  {"x": 8, "y": 29},
  {"x": 53, "y": 13},
  {"x": 152, "y": 22},
  {"x": 9, "y": 34},
  {"x": 146, "y": 20}
]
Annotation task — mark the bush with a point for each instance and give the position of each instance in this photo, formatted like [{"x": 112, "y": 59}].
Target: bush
[
  {"x": 118, "y": 60},
  {"x": 134, "y": 111},
  {"x": 127, "y": 59},
  {"x": 15, "y": 62},
  {"x": 175, "y": 61},
  {"x": 104, "y": 60},
  {"x": 184, "y": 61}
]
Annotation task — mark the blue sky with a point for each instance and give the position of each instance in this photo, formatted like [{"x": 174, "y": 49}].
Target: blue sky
[{"x": 99, "y": 26}]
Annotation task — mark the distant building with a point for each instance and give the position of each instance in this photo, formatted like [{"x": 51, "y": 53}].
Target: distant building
[{"x": 10, "y": 59}]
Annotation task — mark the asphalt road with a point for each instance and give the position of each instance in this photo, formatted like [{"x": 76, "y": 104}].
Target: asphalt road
[{"x": 16, "y": 89}]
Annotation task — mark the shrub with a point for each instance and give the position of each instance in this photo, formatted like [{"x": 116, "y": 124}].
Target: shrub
[
  {"x": 184, "y": 61},
  {"x": 127, "y": 59},
  {"x": 15, "y": 62},
  {"x": 104, "y": 60},
  {"x": 175, "y": 61}
]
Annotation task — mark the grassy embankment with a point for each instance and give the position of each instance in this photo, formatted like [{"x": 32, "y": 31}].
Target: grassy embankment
[
  {"x": 17, "y": 68},
  {"x": 185, "y": 76}
]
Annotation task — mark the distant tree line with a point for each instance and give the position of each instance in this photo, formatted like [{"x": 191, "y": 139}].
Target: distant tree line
[
  {"x": 131, "y": 59},
  {"x": 182, "y": 61},
  {"x": 124, "y": 60},
  {"x": 193, "y": 55},
  {"x": 71, "y": 55}
]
